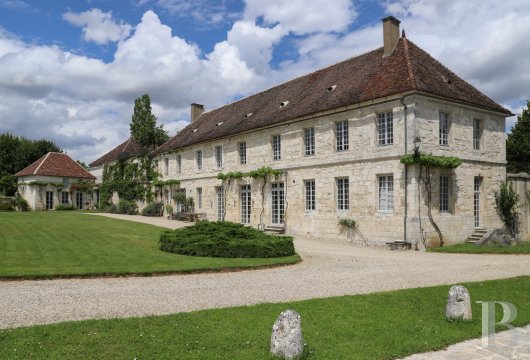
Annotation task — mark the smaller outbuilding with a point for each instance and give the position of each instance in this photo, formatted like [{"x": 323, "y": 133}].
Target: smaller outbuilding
[{"x": 56, "y": 179}]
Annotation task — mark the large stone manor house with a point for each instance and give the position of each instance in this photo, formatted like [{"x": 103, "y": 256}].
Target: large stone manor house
[{"x": 337, "y": 135}]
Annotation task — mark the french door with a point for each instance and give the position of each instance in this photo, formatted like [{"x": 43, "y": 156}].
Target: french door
[
  {"x": 278, "y": 202},
  {"x": 246, "y": 204},
  {"x": 476, "y": 199},
  {"x": 49, "y": 200},
  {"x": 220, "y": 203}
]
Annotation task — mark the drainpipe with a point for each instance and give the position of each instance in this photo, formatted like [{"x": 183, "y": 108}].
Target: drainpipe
[{"x": 402, "y": 100}]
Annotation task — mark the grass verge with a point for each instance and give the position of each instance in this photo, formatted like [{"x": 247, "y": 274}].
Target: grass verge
[
  {"x": 72, "y": 244},
  {"x": 465, "y": 248},
  {"x": 384, "y": 325}
]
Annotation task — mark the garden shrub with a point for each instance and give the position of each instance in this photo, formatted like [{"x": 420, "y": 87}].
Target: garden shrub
[
  {"x": 127, "y": 207},
  {"x": 225, "y": 239},
  {"x": 112, "y": 209},
  {"x": 64, "y": 207},
  {"x": 7, "y": 206},
  {"x": 153, "y": 209},
  {"x": 21, "y": 204}
]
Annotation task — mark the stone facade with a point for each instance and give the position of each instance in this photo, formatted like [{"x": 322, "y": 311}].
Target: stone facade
[{"x": 374, "y": 172}]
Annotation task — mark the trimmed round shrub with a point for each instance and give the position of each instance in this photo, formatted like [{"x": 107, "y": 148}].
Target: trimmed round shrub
[
  {"x": 153, "y": 209},
  {"x": 225, "y": 239}
]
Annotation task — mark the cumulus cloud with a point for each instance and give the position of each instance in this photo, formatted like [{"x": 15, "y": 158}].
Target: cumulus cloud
[
  {"x": 202, "y": 12},
  {"x": 98, "y": 26}
]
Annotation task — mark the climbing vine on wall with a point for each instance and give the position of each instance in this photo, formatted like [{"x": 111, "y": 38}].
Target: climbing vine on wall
[{"x": 429, "y": 163}]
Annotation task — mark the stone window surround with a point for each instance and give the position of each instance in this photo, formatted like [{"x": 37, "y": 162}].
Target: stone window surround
[
  {"x": 179, "y": 164},
  {"x": 166, "y": 166},
  {"x": 444, "y": 135},
  {"x": 199, "y": 197},
  {"x": 276, "y": 144},
  {"x": 309, "y": 141},
  {"x": 218, "y": 156},
  {"x": 342, "y": 142},
  {"x": 478, "y": 126},
  {"x": 387, "y": 181},
  {"x": 342, "y": 185},
  {"x": 384, "y": 135},
  {"x": 242, "y": 150},
  {"x": 198, "y": 159},
  {"x": 310, "y": 195}
]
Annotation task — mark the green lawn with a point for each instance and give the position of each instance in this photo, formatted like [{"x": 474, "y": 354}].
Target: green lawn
[
  {"x": 522, "y": 248},
  {"x": 375, "y": 326},
  {"x": 51, "y": 244}
]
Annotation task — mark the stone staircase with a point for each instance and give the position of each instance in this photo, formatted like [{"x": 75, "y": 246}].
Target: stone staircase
[
  {"x": 398, "y": 245},
  {"x": 477, "y": 235},
  {"x": 274, "y": 229}
]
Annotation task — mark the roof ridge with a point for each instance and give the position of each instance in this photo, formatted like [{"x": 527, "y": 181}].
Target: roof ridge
[
  {"x": 412, "y": 79},
  {"x": 42, "y": 162}
]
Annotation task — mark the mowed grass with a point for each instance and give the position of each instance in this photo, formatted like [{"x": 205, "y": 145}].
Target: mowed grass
[
  {"x": 59, "y": 244},
  {"x": 465, "y": 248},
  {"x": 375, "y": 326}
]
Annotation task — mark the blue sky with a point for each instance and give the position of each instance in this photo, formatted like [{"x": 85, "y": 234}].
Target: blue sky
[{"x": 70, "y": 70}]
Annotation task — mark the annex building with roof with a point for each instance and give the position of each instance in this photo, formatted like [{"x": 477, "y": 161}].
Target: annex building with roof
[
  {"x": 337, "y": 136},
  {"x": 56, "y": 179}
]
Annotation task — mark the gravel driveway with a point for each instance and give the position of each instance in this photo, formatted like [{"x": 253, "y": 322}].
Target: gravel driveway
[{"x": 327, "y": 269}]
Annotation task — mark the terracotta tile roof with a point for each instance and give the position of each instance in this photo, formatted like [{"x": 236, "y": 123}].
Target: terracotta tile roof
[
  {"x": 125, "y": 150},
  {"x": 362, "y": 78},
  {"x": 56, "y": 164}
]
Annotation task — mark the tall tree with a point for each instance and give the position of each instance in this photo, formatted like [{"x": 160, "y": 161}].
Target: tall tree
[
  {"x": 143, "y": 125},
  {"x": 518, "y": 144}
]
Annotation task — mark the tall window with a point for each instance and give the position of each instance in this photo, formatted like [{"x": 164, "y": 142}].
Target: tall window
[
  {"x": 341, "y": 135},
  {"x": 199, "y": 198},
  {"x": 218, "y": 150},
  {"x": 246, "y": 204},
  {"x": 444, "y": 193},
  {"x": 242, "y": 153},
  {"x": 343, "y": 194},
  {"x": 49, "y": 200},
  {"x": 385, "y": 129},
  {"x": 309, "y": 141},
  {"x": 220, "y": 203},
  {"x": 79, "y": 200},
  {"x": 64, "y": 197},
  {"x": 276, "y": 147},
  {"x": 477, "y": 133},
  {"x": 179, "y": 164},
  {"x": 198, "y": 159},
  {"x": 444, "y": 129},
  {"x": 166, "y": 166},
  {"x": 309, "y": 195},
  {"x": 386, "y": 193}
]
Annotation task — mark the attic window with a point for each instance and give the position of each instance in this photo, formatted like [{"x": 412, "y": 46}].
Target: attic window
[
  {"x": 219, "y": 123},
  {"x": 284, "y": 104},
  {"x": 248, "y": 115},
  {"x": 194, "y": 130},
  {"x": 332, "y": 87}
]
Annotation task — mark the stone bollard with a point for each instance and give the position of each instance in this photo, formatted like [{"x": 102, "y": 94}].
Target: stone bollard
[
  {"x": 286, "y": 339},
  {"x": 458, "y": 304}
]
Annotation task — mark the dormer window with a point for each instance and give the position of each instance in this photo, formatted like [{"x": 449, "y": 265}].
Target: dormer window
[
  {"x": 332, "y": 87},
  {"x": 248, "y": 115}
]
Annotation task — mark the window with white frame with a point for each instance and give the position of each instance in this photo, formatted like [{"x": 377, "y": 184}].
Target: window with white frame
[
  {"x": 64, "y": 197},
  {"x": 199, "y": 198},
  {"x": 276, "y": 147},
  {"x": 444, "y": 193},
  {"x": 246, "y": 204},
  {"x": 385, "y": 128},
  {"x": 179, "y": 164},
  {"x": 198, "y": 159},
  {"x": 79, "y": 200},
  {"x": 443, "y": 129},
  {"x": 343, "y": 194},
  {"x": 242, "y": 153},
  {"x": 386, "y": 193},
  {"x": 309, "y": 141},
  {"x": 220, "y": 203},
  {"x": 341, "y": 135},
  {"x": 310, "y": 201},
  {"x": 218, "y": 152},
  {"x": 49, "y": 200},
  {"x": 477, "y": 133},
  {"x": 166, "y": 166}
]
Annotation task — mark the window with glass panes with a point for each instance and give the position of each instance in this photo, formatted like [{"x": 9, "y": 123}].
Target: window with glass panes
[
  {"x": 385, "y": 128},
  {"x": 309, "y": 141},
  {"x": 444, "y": 193},
  {"x": 79, "y": 200},
  {"x": 242, "y": 153},
  {"x": 199, "y": 198},
  {"x": 276, "y": 147},
  {"x": 246, "y": 204},
  {"x": 443, "y": 129},
  {"x": 220, "y": 203},
  {"x": 341, "y": 135},
  {"x": 386, "y": 193},
  {"x": 476, "y": 133},
  {"x": 198, "y": 159},
  {"x": 49, "y": 200},
  {"x": 179, "y": 164},
  {"x": 310, "y": 201},
  {"x": 218, "y": 151},
  {"x": 166, "y": 166},
  {"x": 64, "y": 197},
  {"x": 343, "y": 194}
]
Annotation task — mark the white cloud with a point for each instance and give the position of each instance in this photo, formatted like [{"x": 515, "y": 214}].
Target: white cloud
[
  {"x": 202, "y": 12},
  {"x": 98, "y": 26}
]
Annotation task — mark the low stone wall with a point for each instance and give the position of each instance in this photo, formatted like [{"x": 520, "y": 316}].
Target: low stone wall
[{"x": 521, "y": 184}]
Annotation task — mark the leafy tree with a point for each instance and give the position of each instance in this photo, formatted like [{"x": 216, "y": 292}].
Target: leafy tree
[
  {"x": 507, "y": 201},
  {"x": 143, "y": 125},
  {"x": 518, "y": 144}
]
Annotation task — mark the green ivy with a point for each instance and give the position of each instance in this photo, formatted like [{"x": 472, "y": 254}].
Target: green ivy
[
  {"x": 262, "y": 172},
  {"x": 348, "y": 223},
  {"x": 443, "y": 162}
]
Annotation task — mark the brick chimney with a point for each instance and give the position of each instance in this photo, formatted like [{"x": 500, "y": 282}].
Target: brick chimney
[
  {"x": 196, "y": 111},
  {"x": 390, "y": 34}
]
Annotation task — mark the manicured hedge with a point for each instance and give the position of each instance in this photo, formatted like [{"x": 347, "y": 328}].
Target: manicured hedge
[{"x": 225, "y": 239}]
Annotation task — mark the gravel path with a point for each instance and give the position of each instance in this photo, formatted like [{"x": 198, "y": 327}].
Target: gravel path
[{"x": 327, "y": 269}]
